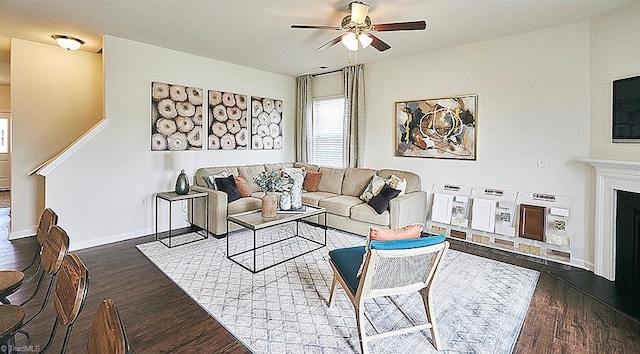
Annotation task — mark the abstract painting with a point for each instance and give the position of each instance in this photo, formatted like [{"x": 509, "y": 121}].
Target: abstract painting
[{"x": 444, "y": 128}]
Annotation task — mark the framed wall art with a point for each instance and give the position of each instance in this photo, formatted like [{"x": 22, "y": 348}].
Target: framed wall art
[
  {"x": 444, "y": 128},
  {"x": 227, "y": 121},
  {"x": 266, "y": 124},
  {"x": 176, "y": 117}
]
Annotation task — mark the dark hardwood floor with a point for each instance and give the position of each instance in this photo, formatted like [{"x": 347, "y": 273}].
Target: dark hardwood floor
[{"x": 160, "y": 318}]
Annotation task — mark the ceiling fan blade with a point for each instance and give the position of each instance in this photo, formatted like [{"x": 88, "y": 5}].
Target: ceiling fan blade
[
  {"x": 330, "y": 43},
  {"x": 359, "y": 12},
  {"x": 400, "y": 26},
  {"x": 379, "y": 44},
  {"x": 316, "y": 27}
]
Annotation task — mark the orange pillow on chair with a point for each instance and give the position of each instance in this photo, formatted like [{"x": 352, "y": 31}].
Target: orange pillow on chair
[
  {"x": 243, "y": 186},
  {"x": 379, "y": 234},
  {"x": 407, "y": 232}
]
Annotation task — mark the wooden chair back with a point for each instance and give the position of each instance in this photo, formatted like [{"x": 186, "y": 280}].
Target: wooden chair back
[
  {"x": 107, "y": 335},
  {"x": 54, "y": 249},
  {"x": 48, "y": 219},
  {"x": 71, "y": 289}
]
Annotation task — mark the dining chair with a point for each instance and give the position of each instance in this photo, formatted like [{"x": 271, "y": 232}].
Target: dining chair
[
  {"x": 13, "y": 280},
  {"x": 107, "y": 334},
  {"x": 390, "y": 268}
]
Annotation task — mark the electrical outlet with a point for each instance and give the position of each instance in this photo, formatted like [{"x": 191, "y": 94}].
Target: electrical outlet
[
  {"x": 542, "y": 162},
  {"x": 143, "y": 202}
]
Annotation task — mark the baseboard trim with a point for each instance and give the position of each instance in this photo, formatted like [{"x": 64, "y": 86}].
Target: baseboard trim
[
  {"x": 79, "y": 245},
  {"x": 14, "y": 235}
]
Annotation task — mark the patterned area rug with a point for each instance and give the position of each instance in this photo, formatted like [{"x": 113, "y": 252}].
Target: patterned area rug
[{"x": 479, "y": 304}]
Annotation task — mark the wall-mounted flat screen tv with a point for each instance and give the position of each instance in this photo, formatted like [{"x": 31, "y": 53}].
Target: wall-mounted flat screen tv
[{"x": 626, "y": 110}]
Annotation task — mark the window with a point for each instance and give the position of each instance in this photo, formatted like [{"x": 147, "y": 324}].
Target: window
[{"x": 328, "y": 131}]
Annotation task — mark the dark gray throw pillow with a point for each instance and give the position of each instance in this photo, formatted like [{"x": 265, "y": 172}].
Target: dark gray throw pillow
[
  {"x": 228, "y": 185},
  {"x": 380, "y": 202}
]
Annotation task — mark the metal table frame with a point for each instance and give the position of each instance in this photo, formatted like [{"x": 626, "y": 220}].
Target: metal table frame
[
  {"x": 279, "y": 220},
  {"x": 171, "y": 197}
]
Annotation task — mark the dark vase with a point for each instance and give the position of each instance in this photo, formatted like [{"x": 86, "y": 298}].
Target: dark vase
[{"x": 182, "y": 184}]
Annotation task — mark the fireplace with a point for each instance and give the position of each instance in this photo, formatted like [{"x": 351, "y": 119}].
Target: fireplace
[
  {"x": 628, "y": 240},
  {"x": 611, "y": 177}
]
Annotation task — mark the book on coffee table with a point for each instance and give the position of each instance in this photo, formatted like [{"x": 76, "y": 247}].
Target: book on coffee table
[{"x": 302, "y": 209}]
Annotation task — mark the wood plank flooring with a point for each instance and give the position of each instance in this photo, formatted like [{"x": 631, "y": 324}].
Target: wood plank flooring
[{"x": 160, "y": 318}]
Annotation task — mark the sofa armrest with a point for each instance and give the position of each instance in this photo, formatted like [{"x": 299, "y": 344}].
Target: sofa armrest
[
  {"x": 408, "y": 209},
  {"x": 217, "y": 210}
]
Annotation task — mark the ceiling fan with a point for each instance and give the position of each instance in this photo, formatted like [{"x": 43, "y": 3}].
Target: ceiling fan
[{"x": 357, "y": 29}]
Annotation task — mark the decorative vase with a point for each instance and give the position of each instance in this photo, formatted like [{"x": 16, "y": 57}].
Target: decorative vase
[
  {"x": 269, "y": 205},
  {"x": 285, "y": 200},
  {"x": 182, "y": 183},
  {"x": 296, "y": 196}
]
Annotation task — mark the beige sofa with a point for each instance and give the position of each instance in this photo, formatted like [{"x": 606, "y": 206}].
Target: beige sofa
[{"x": 338, "y": 192}]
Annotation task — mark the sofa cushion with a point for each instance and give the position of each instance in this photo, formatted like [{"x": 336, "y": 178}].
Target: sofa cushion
[
  {"x": 356, "y": 180},
  {"x": 331, "y": 180},
  {"x": 243, "y": 187},
  {"x": 313, "y": 198},
  {"x": 339, "y": 205},
  {"x": 228, "y": 185},
  {"x": 208, "y": 171},
  {"x": 250, "y": 171},
  {"x": 380, "y": 202},
  {"x": 373, "y": 188},
  {"x": 277, "y": 166},
  {"x": 211, "y": 180},
  {"x": 244, "y": 204},
  {"x": 311, "y": 181},
  {"x": 365, "y": 213},
  {"x": 398, "y": 183},
  {"x": 413, "y": 180},
  {"x": 307, "y": 166}
]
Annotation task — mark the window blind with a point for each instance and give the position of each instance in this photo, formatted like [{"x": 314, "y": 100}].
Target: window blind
[{"x": 328, "y": 131}]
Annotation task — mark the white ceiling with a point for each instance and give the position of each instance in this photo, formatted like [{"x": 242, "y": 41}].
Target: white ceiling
[{"x": 257, "y": 33}]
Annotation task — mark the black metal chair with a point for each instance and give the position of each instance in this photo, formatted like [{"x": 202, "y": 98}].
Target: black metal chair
[
  {"x": 70, "y": 293},
  {"x": 12, "y": 280},
  {"x": 107, "y": 335}
]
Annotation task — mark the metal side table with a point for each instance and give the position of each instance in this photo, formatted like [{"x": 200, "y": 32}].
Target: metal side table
[{"x": 171, "y": 197}]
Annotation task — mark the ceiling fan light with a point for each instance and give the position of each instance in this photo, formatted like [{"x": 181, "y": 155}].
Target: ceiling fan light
[
  {"x": 350, "y": 41},
  {"x": 359, "y": 12},
  {"x": 365, "y": 40},
  {"x": 67, "y": 42}
]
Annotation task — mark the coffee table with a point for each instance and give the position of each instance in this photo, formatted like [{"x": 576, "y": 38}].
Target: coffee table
[{"x": 254, "y": 221}]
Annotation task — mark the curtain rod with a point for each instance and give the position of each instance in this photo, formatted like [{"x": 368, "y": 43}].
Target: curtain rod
[{"x": 328, "y": 72}]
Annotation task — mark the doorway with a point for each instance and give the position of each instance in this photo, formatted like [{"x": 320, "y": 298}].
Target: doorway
[{"x": 5, "y": 176}]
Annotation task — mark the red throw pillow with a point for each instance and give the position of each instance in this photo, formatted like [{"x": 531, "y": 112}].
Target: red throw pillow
[
  {"x": 243, "y": 187},
  {"x": 311, "y": 181}
]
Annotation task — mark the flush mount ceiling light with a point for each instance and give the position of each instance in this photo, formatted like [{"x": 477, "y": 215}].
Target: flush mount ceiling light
[{"x": 67, "y": 42}]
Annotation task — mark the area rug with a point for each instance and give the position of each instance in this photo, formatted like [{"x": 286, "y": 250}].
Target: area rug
[{"x": 479, "y": 304}]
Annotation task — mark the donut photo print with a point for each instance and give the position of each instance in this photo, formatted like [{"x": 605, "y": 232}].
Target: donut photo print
[
  {"x": 266, "y": 124},
  {"x": 176, "y": 117},
  {"x": 227, "y": 121}
]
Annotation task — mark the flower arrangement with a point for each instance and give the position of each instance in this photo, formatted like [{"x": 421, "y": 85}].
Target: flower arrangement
[{"x": 272, "y": 181}]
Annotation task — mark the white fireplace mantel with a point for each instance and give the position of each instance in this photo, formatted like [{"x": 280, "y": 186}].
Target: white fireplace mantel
[{"x": 611, "y": 176}]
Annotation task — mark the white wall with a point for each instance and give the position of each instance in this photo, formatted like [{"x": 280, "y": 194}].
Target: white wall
[
  {"x": 99, "y": 189},
  {"x": 5, "y": 98},
  {"x": 56, "y": 96},
  {"x": 615, "y": 53},
  {"x": 533, "y": 100}
]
